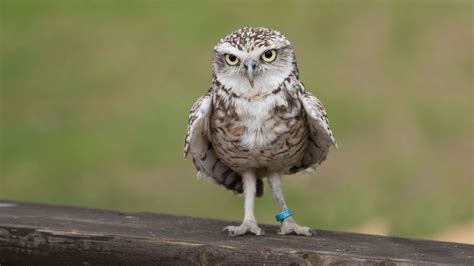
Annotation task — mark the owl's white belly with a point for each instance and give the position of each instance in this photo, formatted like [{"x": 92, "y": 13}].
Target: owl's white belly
[{"x": 261, "y": 125}]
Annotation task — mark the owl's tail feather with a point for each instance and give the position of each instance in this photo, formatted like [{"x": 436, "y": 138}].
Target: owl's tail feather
[{"x": 209, "y": 166}]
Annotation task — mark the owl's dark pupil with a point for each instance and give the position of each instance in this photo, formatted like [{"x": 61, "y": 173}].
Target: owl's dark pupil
[
  {"x": 232, "y": 57},
  {"x": 268, "y": 54}
]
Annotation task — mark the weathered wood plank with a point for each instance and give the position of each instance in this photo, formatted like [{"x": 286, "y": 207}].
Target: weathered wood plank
[{"x": 48, "y": 234}]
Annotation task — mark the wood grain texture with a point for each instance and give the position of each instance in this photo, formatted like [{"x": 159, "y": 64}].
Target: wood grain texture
[{"x": 32, "y": 234}]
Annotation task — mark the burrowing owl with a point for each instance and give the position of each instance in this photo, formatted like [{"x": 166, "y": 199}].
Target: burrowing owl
[{"x": 257, "y": 121}]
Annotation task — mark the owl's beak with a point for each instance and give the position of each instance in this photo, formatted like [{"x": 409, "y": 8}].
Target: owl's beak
[{"x": 250, "y": 71}]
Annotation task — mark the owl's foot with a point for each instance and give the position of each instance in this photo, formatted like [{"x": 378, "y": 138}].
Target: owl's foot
[
  {"x": 247, "y": 227},
  {"x": 289, "y": 226}
]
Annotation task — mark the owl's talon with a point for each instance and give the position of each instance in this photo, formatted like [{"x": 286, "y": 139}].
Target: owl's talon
[
  {"x": 290, "y": 227},
  {"x": 244, "y": 228}
]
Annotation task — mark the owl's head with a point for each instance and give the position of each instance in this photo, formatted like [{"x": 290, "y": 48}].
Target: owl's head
[{"x": 253, "y": 59}]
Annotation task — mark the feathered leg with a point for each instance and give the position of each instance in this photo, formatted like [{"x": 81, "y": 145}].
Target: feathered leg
[
  {"x": 249, "y": 224},
  {"x": 288, "y": 226}
]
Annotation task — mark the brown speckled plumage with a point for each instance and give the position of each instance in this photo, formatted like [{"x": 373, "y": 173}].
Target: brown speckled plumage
[
  {"x": 228, "y": 126},
  {"x": 301, "y": 144}
]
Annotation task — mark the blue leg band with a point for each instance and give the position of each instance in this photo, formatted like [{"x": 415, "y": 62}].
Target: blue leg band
[{"x": 283, "y": 215}]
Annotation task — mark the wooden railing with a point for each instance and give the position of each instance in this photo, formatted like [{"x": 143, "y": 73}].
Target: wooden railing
[{"x": 34, "y": 234}]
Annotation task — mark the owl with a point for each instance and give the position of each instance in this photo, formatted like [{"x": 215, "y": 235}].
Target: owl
[{"x": 257, "y": 121}]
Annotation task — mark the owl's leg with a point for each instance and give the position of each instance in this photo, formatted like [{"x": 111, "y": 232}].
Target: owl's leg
[
  {"x": 288, "y": 225},
  {"x": 249, "y": 224}
]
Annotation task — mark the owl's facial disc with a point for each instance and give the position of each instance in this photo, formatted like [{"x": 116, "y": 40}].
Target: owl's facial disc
[
  {"x": 252, "y": 60},
  {"x": 249, "y": 66}
]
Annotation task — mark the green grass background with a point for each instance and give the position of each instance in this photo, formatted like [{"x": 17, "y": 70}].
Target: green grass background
[{"x": 95, "y": 97}]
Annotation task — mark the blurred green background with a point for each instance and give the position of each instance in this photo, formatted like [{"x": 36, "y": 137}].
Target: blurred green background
[{"x": 95, "y": 97}]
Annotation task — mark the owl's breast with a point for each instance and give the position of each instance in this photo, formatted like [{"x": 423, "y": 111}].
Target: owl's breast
[{"x": 258, "y": 132}]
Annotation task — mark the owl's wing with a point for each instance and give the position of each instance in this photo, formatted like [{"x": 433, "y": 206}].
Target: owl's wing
[
  {"x": 197, "y": 135},
  {"x": 198, "y": 142},
  {"x": 321, "y": 136}
]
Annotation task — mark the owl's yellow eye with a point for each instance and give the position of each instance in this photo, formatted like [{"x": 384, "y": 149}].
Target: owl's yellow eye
[
  {"x": 269, "y": 55},
  {"x": 231, "y": 59}
]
